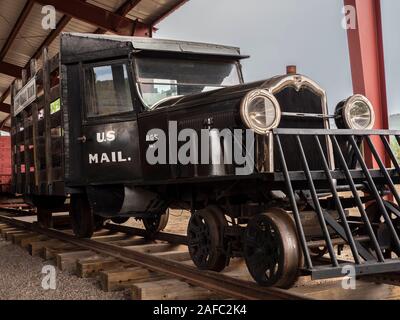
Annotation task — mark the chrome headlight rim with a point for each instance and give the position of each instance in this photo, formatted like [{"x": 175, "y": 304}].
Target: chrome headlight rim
[
  {"x": 349, "y": 104},
  {"x": 248, "y": 99}
]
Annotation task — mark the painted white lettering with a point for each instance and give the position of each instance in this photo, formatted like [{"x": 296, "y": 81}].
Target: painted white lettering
[
  {"x": 93, "y": 158},
  {"x": 100, "y": 137},
  {"x": 104, "y": 158},
  {"x": 110, "y": 135},
  {"x": 120, "y": 158}
]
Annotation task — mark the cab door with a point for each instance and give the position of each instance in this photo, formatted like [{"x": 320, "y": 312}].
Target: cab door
[{"x": 109, "y": 132}]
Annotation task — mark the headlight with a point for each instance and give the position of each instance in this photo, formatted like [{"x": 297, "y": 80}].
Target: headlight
[
  {"x": 355, "y": 113},
  {"x": 260, "y": 111}
]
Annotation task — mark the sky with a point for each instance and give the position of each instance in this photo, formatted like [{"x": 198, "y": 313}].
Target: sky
[
  {"x": 391, "y": 35},
  {"x": 307, "y": 33}
]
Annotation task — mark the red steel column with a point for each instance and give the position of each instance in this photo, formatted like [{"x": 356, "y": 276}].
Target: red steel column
[{"x": 367, "y": 62}]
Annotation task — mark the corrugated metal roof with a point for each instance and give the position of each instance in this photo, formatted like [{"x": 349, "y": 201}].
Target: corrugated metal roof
[
  {"x": 31, "y": 35},
  {"x": 108, "y": 5},
  {"x": 148, "y": 11},
  {"x": 9, "y": 12},
  {"x": 29, "y": 38}
]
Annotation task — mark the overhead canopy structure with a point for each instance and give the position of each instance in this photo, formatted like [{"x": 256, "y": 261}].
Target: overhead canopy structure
[{"x": 23, "y": 38}]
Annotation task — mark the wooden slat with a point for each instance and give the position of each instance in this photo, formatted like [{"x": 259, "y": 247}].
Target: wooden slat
[
  {"x": 54, "y": 63},
  {"x": 54, "y": 93},
  {"x": 26, "y": 153},
  {"x": 35, "y": 137},
  {"x": 47, "y": 120},
  {"x": 18, "y": 159}
]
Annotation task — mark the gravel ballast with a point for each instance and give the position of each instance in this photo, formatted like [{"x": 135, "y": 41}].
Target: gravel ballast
[
  {"x": 21, "y": 274},
  {"x": 21, "y": 279}
]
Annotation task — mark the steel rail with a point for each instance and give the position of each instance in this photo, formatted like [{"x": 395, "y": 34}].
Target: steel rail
[
  {"x": 216, "y": 282},
  {"x": 163, "y": 236}
]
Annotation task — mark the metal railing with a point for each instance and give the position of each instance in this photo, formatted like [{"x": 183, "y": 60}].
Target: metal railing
[{"x": 367, "y": 259}]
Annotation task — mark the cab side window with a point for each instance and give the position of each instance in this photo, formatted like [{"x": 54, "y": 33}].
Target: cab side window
[{"x": 107, "y": 90}]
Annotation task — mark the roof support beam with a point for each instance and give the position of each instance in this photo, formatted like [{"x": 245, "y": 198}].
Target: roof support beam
[
  {"x": 4, "y": 107},
  {"x": 10, "y": 69},
  {"x": 5, "y": 94},
  {"x": 16, "y": 28},
  {"x": 123, "y": 10},
  {"x": 367, "y": 62},
  {"x": 94, "y": 15}
]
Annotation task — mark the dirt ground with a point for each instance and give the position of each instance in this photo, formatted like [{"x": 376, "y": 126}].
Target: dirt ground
[{"x": 178, "y": 221}]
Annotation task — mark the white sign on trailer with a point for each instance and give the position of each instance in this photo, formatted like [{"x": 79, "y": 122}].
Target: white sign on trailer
[{"x": 25, "y": 96}]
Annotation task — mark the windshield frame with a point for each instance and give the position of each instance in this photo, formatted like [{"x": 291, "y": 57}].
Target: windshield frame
[{"x": 202, "y": 58}]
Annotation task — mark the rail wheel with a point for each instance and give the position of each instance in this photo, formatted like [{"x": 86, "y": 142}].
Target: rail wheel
[
  {"x": 120, "y": 220},
  {"x": 383, "y": 234},
  {"x": 83, "y": 221},
  {"x": 271, "y": 249},
  {"x": 157, "y": 224},
  {"x": 205, "y": 239}
]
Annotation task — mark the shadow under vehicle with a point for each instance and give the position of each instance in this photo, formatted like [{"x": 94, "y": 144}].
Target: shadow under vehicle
[{"x": 144, "y": 125}]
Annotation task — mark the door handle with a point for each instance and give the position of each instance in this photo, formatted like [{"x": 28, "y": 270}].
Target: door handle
[{"x": 82, "y": 139}]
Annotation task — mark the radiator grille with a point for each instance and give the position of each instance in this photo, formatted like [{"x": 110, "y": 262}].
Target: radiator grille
[{"x": 302, "y": 101}]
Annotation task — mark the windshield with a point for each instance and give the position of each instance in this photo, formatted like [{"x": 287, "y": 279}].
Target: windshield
[{"x": 159, "y": 79}]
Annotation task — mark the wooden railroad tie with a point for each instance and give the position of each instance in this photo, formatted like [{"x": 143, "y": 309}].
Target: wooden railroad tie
[
  {"x": 5, "y": 230},
  {"x": 8, "y": 235},
  {"x": 17, "y": 237},
  {"x": 156, "y": 247},
  {"x": 122, "y": 278},
  {"x": 36, "y": 248},
  {"x": 177, "y": 255},
  {"x": 333, "y": 290},
  {"x": 89, "y": 267},
  {"x": 25, "y": 242},
  {"x": 67, "y": 261},
  {"x": 110, "y": 237},
  {"x": 3, "y": 225},
  {"x": 50, "y": 252},
  {"x": 169, "y": 289}
]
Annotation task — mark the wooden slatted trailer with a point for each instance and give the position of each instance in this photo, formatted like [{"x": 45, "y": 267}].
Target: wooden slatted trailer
[{"x": 37, "y": 137}]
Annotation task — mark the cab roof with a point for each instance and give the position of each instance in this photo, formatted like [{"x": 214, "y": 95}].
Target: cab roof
[{"x": 85, "y": 42}]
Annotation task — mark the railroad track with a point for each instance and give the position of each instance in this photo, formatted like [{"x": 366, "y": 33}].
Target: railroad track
[
  {"x": 120, "y": 253},
  {"x": 160, "y": 268}
]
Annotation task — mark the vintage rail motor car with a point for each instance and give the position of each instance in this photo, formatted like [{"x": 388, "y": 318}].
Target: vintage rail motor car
[{"x": 131, "y": 127}]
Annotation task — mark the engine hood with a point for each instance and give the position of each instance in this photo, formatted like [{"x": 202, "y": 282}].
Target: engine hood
[
  {"x": 223, "y": 94},
  {"x": 274, "y": 85}
]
